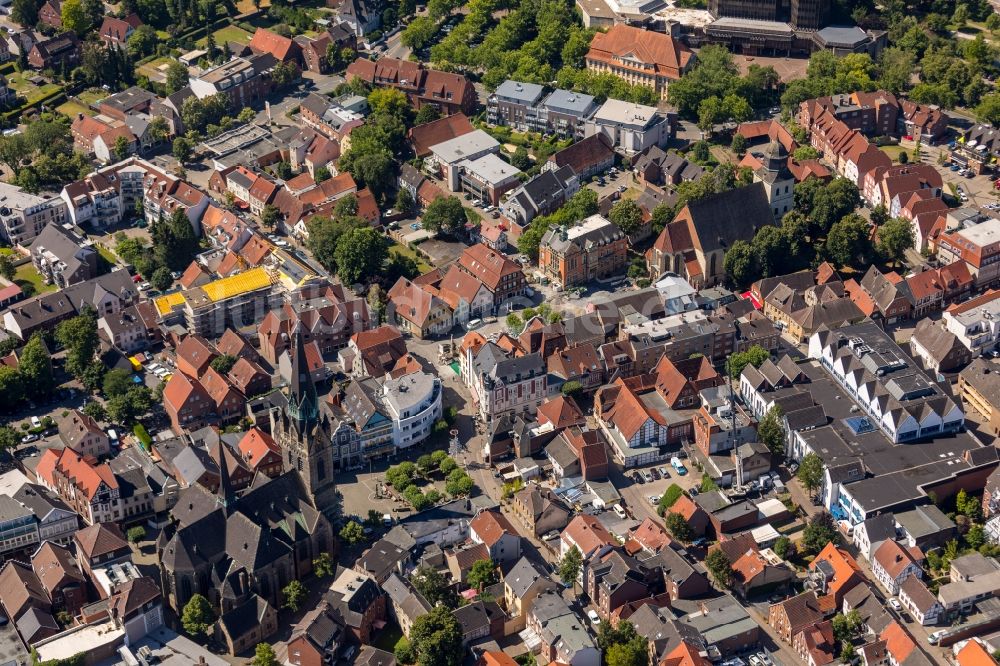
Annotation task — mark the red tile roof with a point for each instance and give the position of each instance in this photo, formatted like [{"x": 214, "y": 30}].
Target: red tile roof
[{"x": 266, "y": 41}]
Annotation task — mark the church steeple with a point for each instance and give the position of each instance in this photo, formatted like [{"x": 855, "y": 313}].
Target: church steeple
[
  {"x": 225, "y": 496},
  {"x": 303, "y": 403}
]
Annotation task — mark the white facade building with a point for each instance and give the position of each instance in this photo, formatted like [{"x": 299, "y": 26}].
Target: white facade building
[{"x": 413, "y": 402}]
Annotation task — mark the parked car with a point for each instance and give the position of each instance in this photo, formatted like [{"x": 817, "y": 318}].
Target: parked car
[
  {"x": 620, "y": 510},
  {"x": 595, "y": 619},
  {"x": 36, "y": 422},
  {"x": 663, "y": 472},
  {"x": 653, "y": 500},
  {"x": 894, "y": 603},
  {"x": 653, "y": 473},
  {"x": 646, "y": 476}
]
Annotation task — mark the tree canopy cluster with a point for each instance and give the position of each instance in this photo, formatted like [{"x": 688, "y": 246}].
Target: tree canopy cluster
[
  {"x": 713, "y": 88},
  {"x": 32, "y": 378},
  {"x": 42, "y": 156}
]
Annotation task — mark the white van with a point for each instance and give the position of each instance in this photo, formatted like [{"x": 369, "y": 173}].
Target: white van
[{"x": 620, "y": 510}]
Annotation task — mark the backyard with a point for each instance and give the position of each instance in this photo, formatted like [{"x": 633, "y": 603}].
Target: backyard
[
  {"x": 27, "y": 275},
  {"x": 230, "y": 33},
  {"x": 422, "y": 264},
  {"x": 155, "y": 70},
  {"x": 92, "y": 95},
  {"x": 71, "y": 109},
  {"x": 30, "y": 91}
]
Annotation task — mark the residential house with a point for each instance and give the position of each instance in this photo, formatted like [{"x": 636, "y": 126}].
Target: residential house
[
  {"x": 892, "y": 564},
  {"x": 631, "y": 128},
  {"x": 418, "y": 311},
  {"x": 61, "y": 51},
  {"x": 541, "y": 195},
  {"x": 587, "y": 535},
  {"x": 938, "y": 348},
  {"x": 593, "y": 250},
  {"x": 540, "y": 510},
  {"x": 522, "y": 584},
  {"x": 81, "y": 433},
  {"x": 587, "y": 157},
  {"x": 834, "y": 572},
  {"x": 316, "y": 638},
  {"x": 791, "y": 616},
  {"x": 492, "y": 529},
  {"x": 115, "y": 31},
  {"x": 63, "y": 258},
  {"x": 920, "y": 602},
  {"x": 447, "y": 92},
  {"x": 283, "y": 49}
]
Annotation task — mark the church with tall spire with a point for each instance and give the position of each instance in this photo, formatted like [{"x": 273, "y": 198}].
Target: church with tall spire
[{"x": 302, "y": 431}]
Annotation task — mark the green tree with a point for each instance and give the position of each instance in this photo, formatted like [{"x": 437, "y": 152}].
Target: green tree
[
  {"x": 669, "y": 498},
  {"x": 12, "y": 390},
  {"x": 294, "y": 593},
  {"x": 770, "y": 246},
  {"x": 830, "y": 203},
  {"x": 177, "y": 76},
  {"x": 627, "y": 215},
  {"x": 679, "y": 527},
  {"x": 182, "y": 149},
  {"x": 360, "y": 255},
  {"x": 754, "y": 356},
  {"x": 74, "y": 18},
  {"x": 514, "y": 324},
  {"x": 9, "y": 439},
  {"x": 571, "y": 388},
  {"x": 458, "y": 483},
  {"x": 520, "y": 159},
  {"x": 482, "y": 574},
  {"x": 805, "y": 153},
  {"x": 79, "y": 336},
  {"x": 426, "y": 114},
  {"x": 894, "y": 238},
  {"x": 436, "y": 638},
  {"x": 975, "y": 537},
  {"x": 849, "y": 243},
  {"x": 95, "y": 410},
  {"x": 7, "y": 268},
  {"x": 352, "y": 533},
  {"x": 136, "y": 534},
  {"x": 445, "y": 214},
  {"x": 570, "y": 566},
  {"x": 25, "y": 12},
  {"x": 739, "y": 144},
  {"x": 116, "y": 382},
  {"x": 784, "y": 548},
  {"x": 720, "y": 567},
  {"x": 121, "y": 148},
  {"x": 324, "y": 566},
  {"x": 197, "y": 616},
  {"x": 269, "y": 216},
  {"x": 433, "y": 587},
  {"x": 264, "y": 655},
  {"x": 35, "y": 366},
  {"x": 161, "y": 280},
  {"x": 811, "y": 472},
  {"x": 223, "y": 363},
  {"x": 632, "y": 653},
  {"x": 771, "y": 432},
  {"x": 740, "y": 264},
  {"x": 819, "y": 531}
]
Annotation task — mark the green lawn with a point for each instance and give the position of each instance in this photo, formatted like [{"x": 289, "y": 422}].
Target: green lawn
[
  {"x": 92, "y": 95},
  {"x": 70, "y": 108},
  {"x": 422, "y": 265},
  {"x": 387, "y": 638},
  {"x": 230, "y": 33},
  {"x": 152, "y": 69},
  {"x": 893, "y": 151},
  {"x": 108, "y": 255},
  {"x": 27, "y": 89},
  {"x": 27, "y": 274}
]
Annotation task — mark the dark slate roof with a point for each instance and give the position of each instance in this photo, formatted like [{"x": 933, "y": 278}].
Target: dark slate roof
[
  {"x": 721, "y": 219},
  {"x": 242, "y": 619}
]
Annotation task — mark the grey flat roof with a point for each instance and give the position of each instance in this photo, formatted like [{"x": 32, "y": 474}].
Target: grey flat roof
[
  {"x": 528, "y": 93},
  {"x": 473, "y": 143},
  {"x": 568, "y": 101},
  {"x": 842, "y": 35}
]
